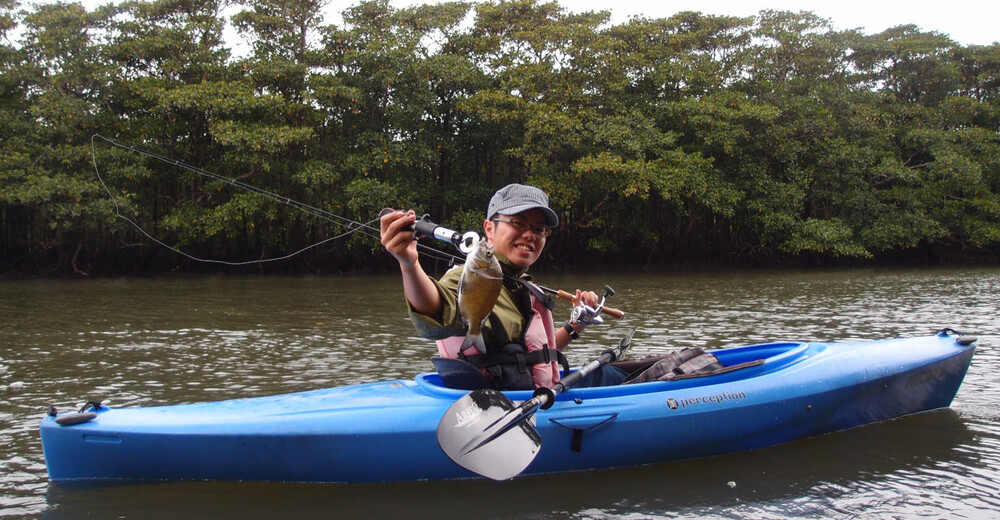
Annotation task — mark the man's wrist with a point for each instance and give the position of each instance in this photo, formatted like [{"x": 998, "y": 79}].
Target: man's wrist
[{"x": 572, "y": 331}]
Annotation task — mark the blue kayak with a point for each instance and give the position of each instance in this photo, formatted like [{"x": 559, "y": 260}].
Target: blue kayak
[{"x": 386, "y": 431}]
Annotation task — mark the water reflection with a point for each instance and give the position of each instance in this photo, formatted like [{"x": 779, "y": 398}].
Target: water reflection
[{"x": 146, "y": 342}]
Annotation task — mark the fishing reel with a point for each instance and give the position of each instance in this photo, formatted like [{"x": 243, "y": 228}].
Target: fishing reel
[
  {"x": 587, "y": 315},
  {"x": 423, "y": 227}
]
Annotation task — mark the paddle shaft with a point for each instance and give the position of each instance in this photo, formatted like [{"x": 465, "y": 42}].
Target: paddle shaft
[
  {"x": 542, "y": 400},
  {"x": 504, "y": 447},
  {"x": 545, "y": 397}
]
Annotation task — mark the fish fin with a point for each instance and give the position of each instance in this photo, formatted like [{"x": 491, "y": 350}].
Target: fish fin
[{"x": 474, "y": 340}]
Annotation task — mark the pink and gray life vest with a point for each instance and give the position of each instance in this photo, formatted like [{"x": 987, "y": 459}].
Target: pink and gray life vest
[{"x": 532, "y": 363}]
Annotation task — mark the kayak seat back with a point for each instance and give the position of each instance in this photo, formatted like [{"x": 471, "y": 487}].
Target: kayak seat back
[{"x": 460, "y": 374}]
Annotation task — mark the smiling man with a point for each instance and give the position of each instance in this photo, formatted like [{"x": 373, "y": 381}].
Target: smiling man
[{"x": 522, "y": 344}]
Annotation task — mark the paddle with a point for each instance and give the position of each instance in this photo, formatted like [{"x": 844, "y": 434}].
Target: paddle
[{"x": 485, "y": 433}]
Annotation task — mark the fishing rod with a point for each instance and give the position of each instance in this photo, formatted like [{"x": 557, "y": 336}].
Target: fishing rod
[
  {"x": 332, "y": 217},
  {"x": 424, "y": 227},
  {"x": 352, "y": 226}
]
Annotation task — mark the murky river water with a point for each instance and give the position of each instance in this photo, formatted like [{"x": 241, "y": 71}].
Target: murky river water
[{"x": 166, "y": 341}]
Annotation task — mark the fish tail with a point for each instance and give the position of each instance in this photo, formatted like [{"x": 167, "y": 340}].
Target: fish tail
[{"x": 474, "y": 340}]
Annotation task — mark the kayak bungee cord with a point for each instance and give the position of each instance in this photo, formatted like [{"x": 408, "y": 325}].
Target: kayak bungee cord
[{"x": 353, "y": 226}]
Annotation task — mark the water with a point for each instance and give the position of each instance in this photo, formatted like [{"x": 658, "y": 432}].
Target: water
[{"x": 175, "y": 340}]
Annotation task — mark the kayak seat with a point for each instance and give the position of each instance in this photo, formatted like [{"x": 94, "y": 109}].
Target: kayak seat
[
  {"x": 460, "y": 374},
  {"x": 683, "y": 364}
]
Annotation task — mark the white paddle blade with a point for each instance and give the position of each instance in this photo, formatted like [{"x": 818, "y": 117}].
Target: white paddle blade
[{"x": 473, "y": 419}]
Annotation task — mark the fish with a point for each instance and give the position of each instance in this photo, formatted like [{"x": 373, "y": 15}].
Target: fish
[{"x": 478, "y": 290}]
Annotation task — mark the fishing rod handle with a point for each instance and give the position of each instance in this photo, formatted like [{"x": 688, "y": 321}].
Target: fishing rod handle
[
  {"x": 423, "y": 227},
  {"x": 615, "y": 313}
]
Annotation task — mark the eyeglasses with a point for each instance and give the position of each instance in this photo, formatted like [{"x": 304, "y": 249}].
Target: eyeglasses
[{"x": 522, "y": 226}]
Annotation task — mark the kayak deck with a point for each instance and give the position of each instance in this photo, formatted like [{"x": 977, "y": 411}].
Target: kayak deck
[{"x": 385, "y": 431}]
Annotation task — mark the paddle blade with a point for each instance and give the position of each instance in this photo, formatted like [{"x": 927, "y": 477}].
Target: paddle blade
[{"x": 469, "y": 420}]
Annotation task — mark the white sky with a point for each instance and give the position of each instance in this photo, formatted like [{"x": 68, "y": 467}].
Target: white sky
[{"x": 968, "y": 22}]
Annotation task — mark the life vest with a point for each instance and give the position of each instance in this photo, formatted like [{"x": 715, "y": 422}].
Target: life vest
[{"x": 532, "y": 363}]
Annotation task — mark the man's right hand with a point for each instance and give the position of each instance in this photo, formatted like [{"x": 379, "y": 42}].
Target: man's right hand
[{"x": 396, "y": 229}]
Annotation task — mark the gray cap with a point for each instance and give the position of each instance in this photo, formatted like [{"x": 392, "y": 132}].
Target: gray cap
[{"x": 513, "y": 199}]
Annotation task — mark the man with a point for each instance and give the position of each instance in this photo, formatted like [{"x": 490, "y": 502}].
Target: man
[{"x": 522, "y": 343}]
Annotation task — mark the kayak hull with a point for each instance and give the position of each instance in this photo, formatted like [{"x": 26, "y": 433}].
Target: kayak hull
[{"x": 386, "y": 431}]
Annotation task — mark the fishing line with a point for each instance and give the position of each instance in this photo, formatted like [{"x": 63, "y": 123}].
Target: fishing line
[{"x": 353, "y": 226}]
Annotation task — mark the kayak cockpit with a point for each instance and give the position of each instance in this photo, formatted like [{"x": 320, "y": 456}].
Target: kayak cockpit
[
  {"x": 738, "y": 363},
  {"x": 772, "y": 353}
]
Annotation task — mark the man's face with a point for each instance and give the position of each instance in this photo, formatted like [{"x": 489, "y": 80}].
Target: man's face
[{"x": 521, "y": 246}]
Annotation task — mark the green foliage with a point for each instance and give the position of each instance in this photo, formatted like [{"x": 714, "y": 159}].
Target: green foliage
[
  {"x": 693, "y": 137},
  {"x": 829, "y": 236}
]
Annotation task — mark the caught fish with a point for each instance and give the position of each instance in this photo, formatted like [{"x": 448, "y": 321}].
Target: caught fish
[{"x": 478, "y": 290}]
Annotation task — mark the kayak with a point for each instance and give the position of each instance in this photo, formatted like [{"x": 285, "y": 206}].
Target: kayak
[{"x": 386, "y": 431}]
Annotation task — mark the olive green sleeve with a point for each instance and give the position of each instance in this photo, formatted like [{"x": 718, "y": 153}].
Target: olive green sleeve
[{"x": 447, "y": 322}]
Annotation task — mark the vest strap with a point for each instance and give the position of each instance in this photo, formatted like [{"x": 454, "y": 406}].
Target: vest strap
[
  {"x": 522, "y": 359},
  {"x": 534, "y": 290}
]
